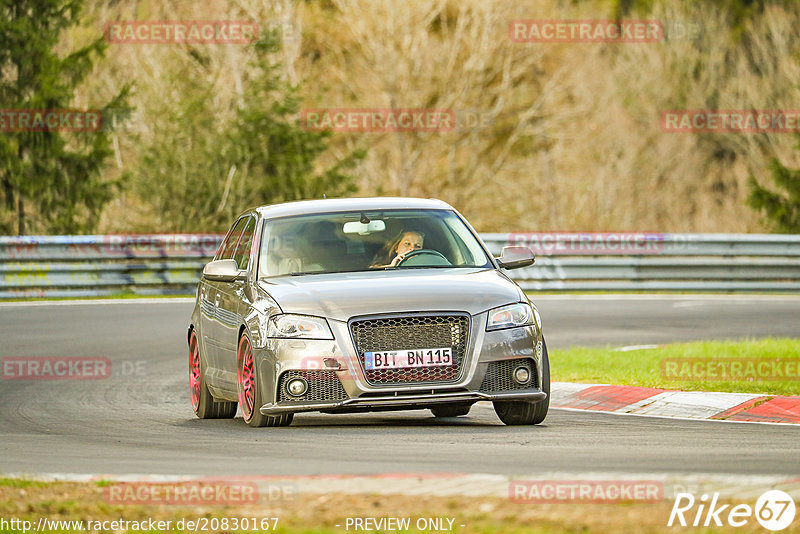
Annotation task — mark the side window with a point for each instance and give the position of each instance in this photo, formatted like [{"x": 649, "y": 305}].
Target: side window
[
  {"x": 242, "y": 253},
  {"x": 228, "y": 246}
]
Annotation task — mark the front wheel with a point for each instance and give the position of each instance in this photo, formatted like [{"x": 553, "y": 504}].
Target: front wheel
[
  {"x": 203, "y": 403},
  {"x": 526, "y": 413},
  {"x": 250, "y": 390}
]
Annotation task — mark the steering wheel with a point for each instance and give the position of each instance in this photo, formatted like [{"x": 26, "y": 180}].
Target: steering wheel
[{"x": 423, "y": 257}]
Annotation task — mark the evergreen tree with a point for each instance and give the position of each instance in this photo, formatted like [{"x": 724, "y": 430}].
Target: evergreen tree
[
  {"x": 782, "y": 208},
  {"x": 200, "y": 170},
  {"x": 49, "y": 180}
]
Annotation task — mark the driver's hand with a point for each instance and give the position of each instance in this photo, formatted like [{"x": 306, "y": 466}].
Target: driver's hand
[{"x": 397, "y": 259}]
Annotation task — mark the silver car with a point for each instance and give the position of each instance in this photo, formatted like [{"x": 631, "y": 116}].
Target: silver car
[{"x": 363, "y": 304}]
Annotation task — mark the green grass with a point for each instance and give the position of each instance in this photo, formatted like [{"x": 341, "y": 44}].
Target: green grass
[
  {"x": 22, "y": 483},
  {"x": 647, "y": 367}
]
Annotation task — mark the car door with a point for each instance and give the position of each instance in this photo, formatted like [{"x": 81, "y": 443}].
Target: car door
[
  {"x": 233, "y": 304},
  {"x": 210, "y": 327}
]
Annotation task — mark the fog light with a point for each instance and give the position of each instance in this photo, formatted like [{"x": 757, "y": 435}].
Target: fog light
[
  {"x": 522, "y": 375},
  {"x": 296, "y": 387}
]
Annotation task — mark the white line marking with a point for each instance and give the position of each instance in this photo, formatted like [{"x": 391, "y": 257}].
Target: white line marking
[
  {"x": 688, "y": 304},
  {"x": 629, "y": 348},
  {"x": 91, "y": 302},
  {"x": 674, "y": 417},
  {"x": 659, "y": 296}
]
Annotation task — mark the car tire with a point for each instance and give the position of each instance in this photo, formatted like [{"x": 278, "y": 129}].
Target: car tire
[
  {"x": 527, "y": 413},
  {"x": 203, "y": 403},
  {"x": 250, "y": 389},
  {"x": 451, "y": 410}
]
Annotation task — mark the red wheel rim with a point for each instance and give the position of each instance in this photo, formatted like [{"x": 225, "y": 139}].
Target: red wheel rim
[
  {"x": 245, "y": 375},
  {"x": 194, "y": 372}
]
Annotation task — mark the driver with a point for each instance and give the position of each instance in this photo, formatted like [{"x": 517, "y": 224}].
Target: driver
[{"x": 395, "y": 250}]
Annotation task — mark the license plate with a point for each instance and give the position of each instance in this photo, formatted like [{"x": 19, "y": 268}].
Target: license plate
[{"x": 397, "y": 359}]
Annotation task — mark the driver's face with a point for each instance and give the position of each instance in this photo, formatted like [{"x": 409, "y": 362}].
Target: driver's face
[{"x": 411, "y": 241}]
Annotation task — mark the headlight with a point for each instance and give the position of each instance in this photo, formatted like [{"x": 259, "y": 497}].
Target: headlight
[
  {"x": 510, "y": 316},
  {"x": 298, "y": 326}
]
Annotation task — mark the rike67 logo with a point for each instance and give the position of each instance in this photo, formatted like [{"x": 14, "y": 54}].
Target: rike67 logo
[{"x": 774, "y": 510}]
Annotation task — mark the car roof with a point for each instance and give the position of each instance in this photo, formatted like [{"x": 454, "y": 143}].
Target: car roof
[{"x": 305, "y": 207}]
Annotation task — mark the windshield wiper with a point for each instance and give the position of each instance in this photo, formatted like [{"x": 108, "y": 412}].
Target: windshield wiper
[
  {"x": 395, "y": 268},
  {"x": 303, "y": 273}
]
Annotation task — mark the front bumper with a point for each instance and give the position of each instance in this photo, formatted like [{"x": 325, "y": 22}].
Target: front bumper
[
  {"x": 338, "y": 383},
  {"x": 403, "y": 402}
]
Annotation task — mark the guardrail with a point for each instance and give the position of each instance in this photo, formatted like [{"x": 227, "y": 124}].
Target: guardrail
[
  {"x": 78, "y": 266},
  {"x": 656, "y": 262}
]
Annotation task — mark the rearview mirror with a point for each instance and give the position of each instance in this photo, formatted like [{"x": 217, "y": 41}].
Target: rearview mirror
[
  {"x": 515, "y": 257},
  {"x": 223, "y": 271},
  {"x": 357, "y": 227}
]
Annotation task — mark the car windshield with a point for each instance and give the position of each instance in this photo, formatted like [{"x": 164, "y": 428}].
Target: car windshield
[{"x": 368, "y": 241}]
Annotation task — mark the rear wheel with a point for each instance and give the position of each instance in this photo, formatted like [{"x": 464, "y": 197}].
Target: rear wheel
[
  {"x": 451, "y": 410},
  {"x": 203, "y": 403},
  {"x": 250, "y": 390},
  {"x": 526, "y": 413}
]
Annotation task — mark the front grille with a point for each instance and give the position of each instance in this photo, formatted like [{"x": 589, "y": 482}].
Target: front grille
[
  {"x": 322, "y": 386},
  {"x": 499, "y": 375},
  {"x": 412, "y": 332}
]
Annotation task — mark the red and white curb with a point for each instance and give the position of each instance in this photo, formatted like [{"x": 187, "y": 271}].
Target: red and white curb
[{"x": 634, "y": 400}]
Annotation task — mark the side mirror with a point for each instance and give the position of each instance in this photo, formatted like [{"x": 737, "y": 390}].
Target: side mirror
[
  {"x": 515, "y": 257},
  {"x": 223, "y": 271}
]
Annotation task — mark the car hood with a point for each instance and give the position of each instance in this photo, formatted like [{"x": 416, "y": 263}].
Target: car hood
[{"x": 341, "y": 296}]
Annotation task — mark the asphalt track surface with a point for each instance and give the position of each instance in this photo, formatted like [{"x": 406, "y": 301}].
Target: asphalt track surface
[{"x": 139, "y": 420}]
